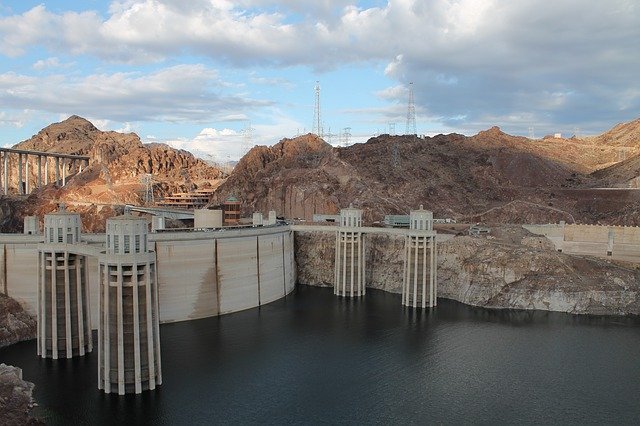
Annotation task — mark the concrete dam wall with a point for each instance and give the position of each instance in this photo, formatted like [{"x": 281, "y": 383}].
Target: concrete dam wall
[
  {"x": 200, "y": 274},
  {"x": 613, "y": 242}
]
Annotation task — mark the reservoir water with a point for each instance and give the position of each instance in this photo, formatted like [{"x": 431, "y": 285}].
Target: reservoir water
[{"x": 314, "y": 358}]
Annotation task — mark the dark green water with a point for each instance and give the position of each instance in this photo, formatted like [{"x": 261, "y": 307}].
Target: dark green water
[{"x": 314, "y": 358}]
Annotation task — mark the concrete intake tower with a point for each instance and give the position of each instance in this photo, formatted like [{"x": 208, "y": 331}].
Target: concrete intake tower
[
  {"x": 419, "y": 284},
  {"x": 128, "y": 333},
  {"x": 349, "y": 263},
  {"x": 64, "y": 323}
]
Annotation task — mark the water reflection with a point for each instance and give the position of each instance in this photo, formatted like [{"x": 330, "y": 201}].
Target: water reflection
[{"x": 317, "y": 358}]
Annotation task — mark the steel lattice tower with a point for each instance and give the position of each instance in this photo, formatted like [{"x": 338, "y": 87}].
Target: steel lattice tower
[
  {"x": 317, "y": 121},
  {"x": 411, "y": 113},
  {"x": 247, "y": 138}
]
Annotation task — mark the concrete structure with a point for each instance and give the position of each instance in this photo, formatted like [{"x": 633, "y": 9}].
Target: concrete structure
[
  {"x": 419, "y": 284},
  {"x": 64, "y": 327},
  {"x": 476, "y": 230},
  {"x": 31, "y": 226},
  {"x": 257, "y": 219},
  {"x": 128, "y": 334},
  {"x": 188, "y": 200},
  {"x": 326, "y": 218},
  {"x": 273, "y": 219},
  {"x": 22, "y": 158},
  {"x": 396, "y": 220},
  {"x": 157, "y": 223},
  {"x": 349, "y": 274},
  {"x": 231, "y": 208},
  {"x": 205, "y": 218},
  {"x": 610, "y": 242},
  {"x": 165, "y": 212}
]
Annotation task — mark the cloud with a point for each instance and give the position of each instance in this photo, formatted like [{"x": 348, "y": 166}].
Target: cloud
[
  {"x": 563, "y": 62},
  {"x": 182, "y": 93},
  {"x": 222, "y": 145}
]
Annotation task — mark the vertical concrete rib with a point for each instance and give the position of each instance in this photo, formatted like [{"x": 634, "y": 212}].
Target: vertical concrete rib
[
  {"x": 136, "y": 330},
  {"x": 46, "y": 170},
  {"x": 156, "y": 324},
  {"x": 424, "y": 272},
  {"x": 54, "y": 306},
  {"x": 67, "y": 306},
  {"x": 150, "y": 331},
  {"x": 351, "y": 262},
  {"x": 79, "y": 306},
  {"x": 120, "y": 325}
]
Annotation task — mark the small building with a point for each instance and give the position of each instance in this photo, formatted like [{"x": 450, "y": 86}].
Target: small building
[
  {"x": 397, "y": 220},
  {"x": 476, "y": 230},
  {"x": 231, "y": 208}
]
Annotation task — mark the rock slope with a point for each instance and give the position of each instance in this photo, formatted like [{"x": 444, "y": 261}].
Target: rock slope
[
  {"x": 509, "y": 269},
  {"x": 15, "y": 323},
  {"x": 117, "y": 163},
  {"x": 492, "y": 176},
  {"x": 16, "y": 398}
]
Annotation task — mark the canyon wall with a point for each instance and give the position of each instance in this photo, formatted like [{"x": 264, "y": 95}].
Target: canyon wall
[{"x": 509, "y": 269}]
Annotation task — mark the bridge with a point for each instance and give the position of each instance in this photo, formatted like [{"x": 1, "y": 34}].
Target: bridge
[{"x": 74, "y": 163}]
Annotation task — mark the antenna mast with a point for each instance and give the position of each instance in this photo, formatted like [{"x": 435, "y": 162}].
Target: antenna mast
[
  {"x": 317, "y": 121},
  {"x": 411, "y": 113}
]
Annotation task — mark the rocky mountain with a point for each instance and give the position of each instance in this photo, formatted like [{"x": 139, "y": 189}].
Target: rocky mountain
[
  {"x": 490, "y": 176},
  {"x": 117, "y": 163}
]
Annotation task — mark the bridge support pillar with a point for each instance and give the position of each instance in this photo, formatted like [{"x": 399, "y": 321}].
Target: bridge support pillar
[
  {"x": 26, "y": 174},
  {"x": 39, "y": 184},
  {"x": 57, "y": 170},
  {"x": 20, "y": 186}
]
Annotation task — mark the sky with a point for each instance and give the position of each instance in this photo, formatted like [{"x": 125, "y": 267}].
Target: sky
[{"x": 216, "y": 77}]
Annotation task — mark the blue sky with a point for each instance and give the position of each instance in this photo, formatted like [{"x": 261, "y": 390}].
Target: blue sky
[{"x": 196, "y": 74}]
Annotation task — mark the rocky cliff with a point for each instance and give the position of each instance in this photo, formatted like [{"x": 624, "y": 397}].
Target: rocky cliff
[
  {"x": 509, "y": 269},
  {"x": 117, "y": 163},
  {"x": 15, "y": 323},
  {"x": 491, "y": 176},
  {"x": 16, "y": 400}
]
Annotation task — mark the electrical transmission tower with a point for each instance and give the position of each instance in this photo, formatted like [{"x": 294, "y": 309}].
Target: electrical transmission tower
[
  {"x": 392, "y": 129},
  {"x": 531, "y": 133},
  {"x": 411, "y": 113},
  {"x": 345, "y": 136},
  {"x": 330, "y": 136},
  {"x": 148, "y": 181},
  {"x": 317, "y": 120},
  {"x": 247, "y": 138}
]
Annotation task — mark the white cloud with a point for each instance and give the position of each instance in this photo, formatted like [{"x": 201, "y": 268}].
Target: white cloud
[
  {"x": 465, "y": 57},
  {"x": 182, "y": 93}
]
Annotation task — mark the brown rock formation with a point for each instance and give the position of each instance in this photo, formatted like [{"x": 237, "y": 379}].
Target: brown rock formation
[
  {"x": 117, "y": 162},
  {"x": 491, "y": 176},
  {"x": 16, "y": 398},
  {"x": 511, "y": 268},
  {"x": 15, "y": 324}
]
